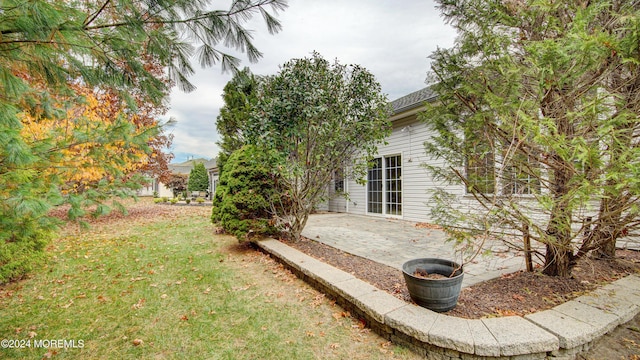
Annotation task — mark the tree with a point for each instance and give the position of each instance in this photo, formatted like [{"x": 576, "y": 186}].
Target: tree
[
  {"x": 537, "y": 115},
  {"x": 242, "y": 202},
  {"x": 198, "y": 178},
  {"x": 315, "y": 118},
  {"x": 239, "y": 97},
  {"x": 177, "y": 183},
  {"x": 58, "y": 56}
]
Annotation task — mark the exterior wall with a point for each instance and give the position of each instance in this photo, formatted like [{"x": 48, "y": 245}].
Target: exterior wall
[
  {"x": 155, "y": 186},
  {"x": 407, "y": 140},
  {"x": 213, "y": 181},
  {"x": 337, "y": 202}
]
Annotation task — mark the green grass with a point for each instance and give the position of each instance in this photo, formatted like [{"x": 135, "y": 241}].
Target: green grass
[{"x": 185, "y": 292}]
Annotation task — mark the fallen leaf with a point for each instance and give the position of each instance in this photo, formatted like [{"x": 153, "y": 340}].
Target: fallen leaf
[
  {"x": 139, "y": 304},
  {"x": 49, "y": 354}
]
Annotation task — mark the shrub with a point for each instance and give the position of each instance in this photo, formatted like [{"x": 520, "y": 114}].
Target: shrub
[
  {"x": 200, "y": 200},
  {"x": 174, "y": 201},
  {"x": 165, "y": 199},
  {"x": 157, "y": 201},
  {"x": 188, "y": 201},
  {"x": 22, "y": 255},
  {"x": 242, "y": 200}
]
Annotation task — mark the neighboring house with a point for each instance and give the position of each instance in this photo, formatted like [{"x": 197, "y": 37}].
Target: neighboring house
[
  {"x": 214, "y": 175},
  {"x": 183, "y": 168},
  {"x": 397, "y": 185}
]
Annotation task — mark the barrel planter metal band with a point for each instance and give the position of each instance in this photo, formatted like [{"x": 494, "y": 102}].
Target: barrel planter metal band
[{"x": 435, "y": 294}]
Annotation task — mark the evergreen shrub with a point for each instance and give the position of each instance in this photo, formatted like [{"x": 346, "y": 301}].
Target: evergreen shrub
[{"x": 241, "y": 205}]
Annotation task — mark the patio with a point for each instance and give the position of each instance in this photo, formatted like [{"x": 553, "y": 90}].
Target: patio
[{"x": 392, "y": 242}]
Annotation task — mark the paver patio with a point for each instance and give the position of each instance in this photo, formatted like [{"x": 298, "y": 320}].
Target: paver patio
[{"x": 393, "y": 242}]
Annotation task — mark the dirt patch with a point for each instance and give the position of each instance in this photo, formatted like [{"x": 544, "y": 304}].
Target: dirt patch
[{"x": 423, "y": 274}]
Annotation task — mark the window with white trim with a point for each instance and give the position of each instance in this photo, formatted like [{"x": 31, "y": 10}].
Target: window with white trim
[{"x": 384, "y": 186}]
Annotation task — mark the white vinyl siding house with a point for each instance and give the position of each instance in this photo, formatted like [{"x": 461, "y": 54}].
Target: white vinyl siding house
[{"x": 398, "y": 186}]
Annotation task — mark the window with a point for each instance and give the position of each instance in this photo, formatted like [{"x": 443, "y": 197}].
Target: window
[
  {"x": 519, "y": 176},
  {"x": 393, "y": 185},
  {"x": 338, "y": 181},
  {"x": 480, "y": 170},
  {"x": 384, "y": 186},
  {"x": 374, "y": 187}
]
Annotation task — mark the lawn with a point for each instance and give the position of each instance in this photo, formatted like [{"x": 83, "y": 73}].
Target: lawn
[{"x": 160, "y": 284}]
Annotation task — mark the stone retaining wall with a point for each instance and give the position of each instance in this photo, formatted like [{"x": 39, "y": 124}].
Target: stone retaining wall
[{"x": 558, "y": 333}]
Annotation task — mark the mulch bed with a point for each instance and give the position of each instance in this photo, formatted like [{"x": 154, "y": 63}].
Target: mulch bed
[{"x": 519, "y": 293}]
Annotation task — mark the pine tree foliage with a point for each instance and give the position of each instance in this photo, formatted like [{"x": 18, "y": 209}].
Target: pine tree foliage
[
  {"x": 538, "y": 117},
  {"x": 109, "y": 48}
]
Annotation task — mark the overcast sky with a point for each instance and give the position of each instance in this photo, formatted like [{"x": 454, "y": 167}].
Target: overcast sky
[{"x": 390, "y": 38}]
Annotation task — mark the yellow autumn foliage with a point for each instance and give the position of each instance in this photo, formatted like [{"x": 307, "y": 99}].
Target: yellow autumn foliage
[{"x": 82, "y": 160}]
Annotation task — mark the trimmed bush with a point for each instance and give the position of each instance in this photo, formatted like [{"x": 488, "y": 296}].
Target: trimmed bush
[
  {"x": 241, "y": 205},
  {"x": 23, "y": 255}
]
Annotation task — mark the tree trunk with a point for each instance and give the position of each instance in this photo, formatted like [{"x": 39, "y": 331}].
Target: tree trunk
[
  {"x": 559, "y": 258},
  {"x": 558, "y": 261},
  {"x": 608, "y": 249}
]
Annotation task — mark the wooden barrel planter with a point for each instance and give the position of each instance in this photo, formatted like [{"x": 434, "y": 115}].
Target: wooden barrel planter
[{"x": 437, "y": 294}]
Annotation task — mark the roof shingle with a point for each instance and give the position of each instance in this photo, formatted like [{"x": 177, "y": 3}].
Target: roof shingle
[{"x": 413, "y": 100}]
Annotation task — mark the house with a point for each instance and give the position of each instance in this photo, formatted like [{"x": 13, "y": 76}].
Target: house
[
  {"x": 397, "y": 185},
  {"x": 184, "y": 168},
  {"x": 214, "y": 175}
]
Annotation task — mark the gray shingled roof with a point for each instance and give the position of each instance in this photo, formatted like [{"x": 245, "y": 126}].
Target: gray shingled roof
[
  {"x": 413, "y": 100},
  {"x": 186, "y": 166}
]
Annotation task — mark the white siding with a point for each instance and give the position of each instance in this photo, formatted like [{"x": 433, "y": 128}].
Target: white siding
[
  {"x": 155, "y": 186},
  {"x": 337, "y": 202},
  {"x": 407, "y": 140}
]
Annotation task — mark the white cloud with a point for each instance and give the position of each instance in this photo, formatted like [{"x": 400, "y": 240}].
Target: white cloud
[{"x": 390, "y": 38}]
